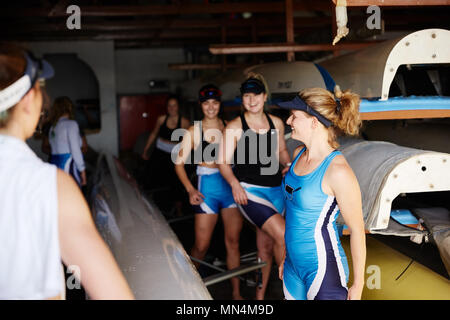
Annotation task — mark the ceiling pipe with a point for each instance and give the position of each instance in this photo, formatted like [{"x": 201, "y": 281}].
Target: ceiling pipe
[{"x": 284, "y": 47}]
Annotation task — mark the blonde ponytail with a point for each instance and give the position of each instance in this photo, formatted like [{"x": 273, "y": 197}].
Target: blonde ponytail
[
  {"x": 341, "y": 108},
  {"x": 348, "y": 119}
]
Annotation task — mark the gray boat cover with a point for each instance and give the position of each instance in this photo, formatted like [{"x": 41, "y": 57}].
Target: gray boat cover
[
  {"x": 437, "y": 221},
  {"x": 372, "y": 161}
]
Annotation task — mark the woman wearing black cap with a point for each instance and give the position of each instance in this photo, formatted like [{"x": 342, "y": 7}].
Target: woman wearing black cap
[
  {"x": 256, "y": 141},
  {"x": 43, "y": 215},
  {"x": 212, "y": 194},
  {"x": 318, "y": 187}
]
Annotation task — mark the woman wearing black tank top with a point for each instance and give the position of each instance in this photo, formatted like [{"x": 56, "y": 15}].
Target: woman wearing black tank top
[
  {"x": 212, "y": 194},
  {"x": 255, "y": 143},
  {"x": 165, "y": 125},
  {"x": 161, "y": 167}
]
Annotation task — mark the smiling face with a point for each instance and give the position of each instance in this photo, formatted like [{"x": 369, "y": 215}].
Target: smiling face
[
  {"x": 210, "y": 108},
  {"x": 300, "y": 123},
  {"x": 254, "y": 103},
  {"x": 172, "y": 107}
]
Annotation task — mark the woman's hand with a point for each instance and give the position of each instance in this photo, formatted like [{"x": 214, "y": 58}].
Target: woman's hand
[
  {"x": 239, "y": 194},
  {"x": 195, "y": 197},
  {"x": 144, "y": 155},
  {"x": 355, "y": 292}
]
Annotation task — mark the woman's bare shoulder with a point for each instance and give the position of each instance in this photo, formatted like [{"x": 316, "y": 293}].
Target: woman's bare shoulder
[
  {"x": 234, "y": 124},
  {"x": 276, "y": 120},
  {"x": 340, "y": 171}
]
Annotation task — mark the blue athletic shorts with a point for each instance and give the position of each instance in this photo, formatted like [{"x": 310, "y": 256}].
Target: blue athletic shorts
[
  {"x": 263, "y": 203},
  {"x": 216, "y": 190},
  {"x": 65, "y": 162}
]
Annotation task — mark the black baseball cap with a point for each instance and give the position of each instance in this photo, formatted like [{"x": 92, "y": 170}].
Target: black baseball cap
[{"x": 209, "y": 91}]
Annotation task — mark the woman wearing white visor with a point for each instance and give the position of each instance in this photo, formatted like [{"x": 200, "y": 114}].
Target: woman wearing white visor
[{"x": 43, "y": 215}]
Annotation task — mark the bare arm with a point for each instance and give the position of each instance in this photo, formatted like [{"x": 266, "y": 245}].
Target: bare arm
[
  {"x": 74, "y": 138},
  {"x": 81, "y": 245},
  {"x": 348, "y": 196},
  {"x": 84, "y": 145},
  {"x": 231, "y": 135},
  {"x": 190, "y": 141},
  {"x": 152, "y": 136},
  {"x": 284, "y": 157},
  {"x": 283, "y": 154}
]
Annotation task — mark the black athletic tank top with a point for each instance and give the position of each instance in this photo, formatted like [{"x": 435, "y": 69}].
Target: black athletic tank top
[
  {"x": 165, "y": 132},
  {"x": 258, "y": 167},
  {"x": 205, "y": 144}
]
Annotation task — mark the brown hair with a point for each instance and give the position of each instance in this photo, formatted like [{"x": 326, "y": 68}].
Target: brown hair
[
  {"x": 341, "y": 108},
  {"x": 12, "y": 67},
  {"x": 62, "y": 105}
]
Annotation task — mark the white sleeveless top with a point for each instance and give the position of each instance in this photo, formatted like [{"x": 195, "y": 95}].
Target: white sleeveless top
[{"x": 30, "y": 260}]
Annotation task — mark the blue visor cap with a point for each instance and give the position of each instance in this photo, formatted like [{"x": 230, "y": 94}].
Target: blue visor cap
[
  {"x": 298, "y": 104},
  {"x": 37, "y": 68},
  {"x": 252, "y": 85}
]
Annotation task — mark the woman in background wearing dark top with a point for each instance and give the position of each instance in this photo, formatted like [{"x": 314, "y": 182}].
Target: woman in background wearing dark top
[{"x": 162, "y": 170}]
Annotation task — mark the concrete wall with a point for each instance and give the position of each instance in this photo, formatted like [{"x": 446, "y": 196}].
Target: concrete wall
[
  {"x": 136, "y": 67},
  {"x": 119, "y": 72},
  {"x": 73, "y": 78},
  {"x": 99, "y": 56}
]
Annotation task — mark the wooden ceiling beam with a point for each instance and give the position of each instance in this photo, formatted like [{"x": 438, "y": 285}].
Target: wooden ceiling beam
[
  {"x": 395, "y": 3},
  {"x": 159, "y": 23},
  {"x": 171, "y": 9},
  {"x": 213, "y": 34}
]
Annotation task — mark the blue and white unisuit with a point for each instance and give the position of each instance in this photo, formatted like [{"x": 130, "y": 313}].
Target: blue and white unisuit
[
  {"x": 216, "y": 190},
  {"x": 315, "y": 267},
  {"x": 265, "y": 197}
]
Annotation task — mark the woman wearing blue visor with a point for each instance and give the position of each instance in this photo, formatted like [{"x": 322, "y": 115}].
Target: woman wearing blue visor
[
  {"x": 212, "y": 193},
  {"x": 43, "y": 215},
  {"x": 318, "y": 187},
  {"x": 254, "y": 143}
]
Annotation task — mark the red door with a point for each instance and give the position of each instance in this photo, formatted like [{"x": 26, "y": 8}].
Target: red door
[{"x": 138, "y": 114}]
